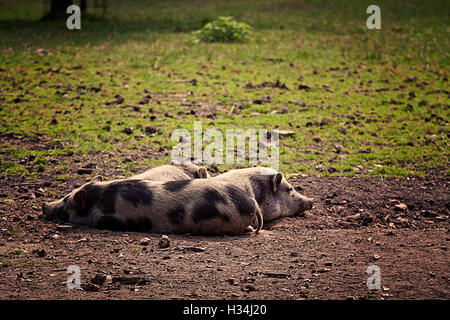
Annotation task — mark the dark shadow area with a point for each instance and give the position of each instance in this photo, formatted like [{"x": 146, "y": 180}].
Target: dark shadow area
[
  {"x": 144, "y": 18},
  {"x": 94, "y": 30}
]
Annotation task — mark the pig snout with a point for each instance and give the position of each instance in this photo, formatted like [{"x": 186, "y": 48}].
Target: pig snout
[
  {"x": 305, "y": 204},
  {"x": 310, "y": 203},
  {"x": 49, "y": 211},
  {"x": 45, "y": 209}
]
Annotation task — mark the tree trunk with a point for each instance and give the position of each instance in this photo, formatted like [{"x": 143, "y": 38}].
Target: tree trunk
[
  {"x": 57, "y": 9},
  {"x": 83, "y": 6}
]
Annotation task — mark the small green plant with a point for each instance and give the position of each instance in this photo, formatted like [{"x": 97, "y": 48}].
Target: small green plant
[
  {"x": 19, "y": 251},
  {"x": 224, "y": 29}
]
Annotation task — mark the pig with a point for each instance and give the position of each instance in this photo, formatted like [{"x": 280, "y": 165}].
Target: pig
[
  {"x": 172, "y": 172},
  {"x": 195, "y": 206},
  {"x": 274, "y": 194}
]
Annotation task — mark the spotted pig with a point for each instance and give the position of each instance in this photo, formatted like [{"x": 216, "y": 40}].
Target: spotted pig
[{"x": 195, "y": 206}]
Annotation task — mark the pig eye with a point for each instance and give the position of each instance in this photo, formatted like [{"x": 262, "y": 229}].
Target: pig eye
[{"x": 290, "y": 189}]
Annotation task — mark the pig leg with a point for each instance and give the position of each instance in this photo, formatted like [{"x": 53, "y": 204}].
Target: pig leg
[{"x": 259, "y": 218}]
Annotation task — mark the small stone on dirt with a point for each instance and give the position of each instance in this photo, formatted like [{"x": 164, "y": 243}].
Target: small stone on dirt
[
  {"x": 98, "y": 279},
  {"x": 401, "y": 207},
  {"x": 144, "y": 241},
  {"x": 365, "y": 217},
  {"x": 164, "y": 242}
]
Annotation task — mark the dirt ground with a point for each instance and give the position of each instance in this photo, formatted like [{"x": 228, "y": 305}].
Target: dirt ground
[{"x": 399, "y": 225}]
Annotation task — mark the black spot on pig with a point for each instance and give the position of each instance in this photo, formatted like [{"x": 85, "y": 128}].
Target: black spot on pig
[
  {"x": 242, "y": 200},
  {"x": 93, "y": 194},
  {"x": 62, "y": 214},
  {"x": 262, "y": 186},
  {"x": 174, "y": 186},
  {"x": 213, "y": 196},
  {"x": 176, "y": 215},
  {"x": 134, "y": 191},
  {"x": 138, "y": 193},
  {"x": 207, "y": 207}
]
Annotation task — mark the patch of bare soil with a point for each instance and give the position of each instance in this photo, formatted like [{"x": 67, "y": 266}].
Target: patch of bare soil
[{"x": 399, "y": 225}]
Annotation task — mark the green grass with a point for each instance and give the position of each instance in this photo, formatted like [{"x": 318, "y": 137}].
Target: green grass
[
  {"x": 18, "y": 251},
  {"x": 386, "y": 88}
]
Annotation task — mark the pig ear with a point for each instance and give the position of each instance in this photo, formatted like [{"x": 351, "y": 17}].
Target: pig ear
[
  {"x": 277, "y": 181},
  {"x": 96, "y": 179},
  {"x": 79, "y": 200},
  {"x": 202, "y": 173}
]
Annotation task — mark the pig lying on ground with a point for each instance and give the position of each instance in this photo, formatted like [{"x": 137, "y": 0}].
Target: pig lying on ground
[
  {"x": 173, "y": 172},
  {"x": 195, "y": 206},
  {"x": 275, "y": 195}
]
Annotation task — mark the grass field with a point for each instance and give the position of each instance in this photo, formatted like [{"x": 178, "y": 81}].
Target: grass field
[{"x": 361, "y": 102}]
